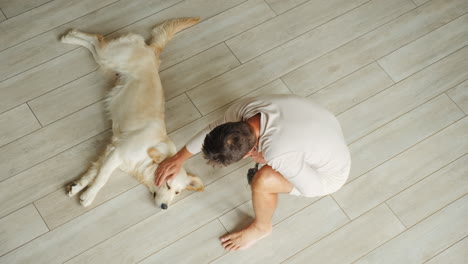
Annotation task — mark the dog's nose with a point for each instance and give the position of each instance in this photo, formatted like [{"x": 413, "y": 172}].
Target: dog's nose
[{"x": 164, "y": 206}]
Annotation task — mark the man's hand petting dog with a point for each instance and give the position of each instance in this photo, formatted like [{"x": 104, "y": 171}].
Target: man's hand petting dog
[{"x": 166, "y": 170}]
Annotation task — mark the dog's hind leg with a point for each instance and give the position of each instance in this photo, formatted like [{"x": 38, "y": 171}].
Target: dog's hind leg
[
  {"x": 93, "y": 42},
  {"x": 110, "y": 162}
]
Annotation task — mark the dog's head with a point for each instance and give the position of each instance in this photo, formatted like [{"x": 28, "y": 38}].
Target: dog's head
[{"x": 164, "y": 195}]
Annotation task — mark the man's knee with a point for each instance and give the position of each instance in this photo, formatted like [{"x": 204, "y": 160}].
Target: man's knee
[{"x": 265, "y": 179}]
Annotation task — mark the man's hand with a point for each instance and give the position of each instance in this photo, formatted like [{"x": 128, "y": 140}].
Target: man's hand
[
  {"x": 257, "y": 157},
  {"x": 167, "y": 170},
  {"x": 171, "y": 166}
]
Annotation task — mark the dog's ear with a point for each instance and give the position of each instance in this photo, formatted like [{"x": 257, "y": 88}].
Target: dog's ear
[
  {"x": 194, "y": 183},
  {"x": 155, "y": 155}
]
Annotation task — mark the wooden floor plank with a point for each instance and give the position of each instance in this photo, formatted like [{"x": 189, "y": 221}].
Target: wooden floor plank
[
  {"x": 242, "y": 216},
  {"x": 72, "y": 97},
  {"x": 86, "y": 230},
  {"x": 2, "y": 16},
  {"x": 39, "y": 146},
  {"x": 57, "y": 208},
  {"x": 137, "y": 242},
  {"x": 402, "y": 133},
  {"x": 201, "y": 246},
  {"x": 427, "y": 238},
  {"x": 197, "y": 70},
  {"x": 54, "y": 68},
  {"x": 420, "y": 2},
  {"x": 44, "y": 18},
  {"x": 431, "y": 194},
  {"x": 352, "y": 89},
  {"x": 50, "y": 175},
  {"x": 281, "y": 6},
  {"x": 459, "y": 95},
  {"x": 407, "y": 138},
  {"x": 45, "y": 78},
  {"x": 16, "y": 123},
  {"x": 76, "y": 128},
  {"x": 325, "y": 214},
  {"x": 94, "y": 86},
  {"x": 295, "y": 53},
  {"x": 417, "y": 55},
  {"x": 353, "y": 240},
  {"x": 404, "y": 96},
  {"x": 217, "y": 29},
  {"x": 20, "y": 227},
  {"x": 397, "y": 174},
  {"x": 13, "y": 8},
  {"x": 45, "y": 47},
  {"x": 374, "y": 45},
  {"x": 179, "y": 112},
  {"x": 287, "y": 26},
  {"x": 457, "y": 253}
]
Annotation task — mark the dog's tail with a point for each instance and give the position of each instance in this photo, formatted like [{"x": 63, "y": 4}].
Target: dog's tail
[{"x": 163, "y": 32}]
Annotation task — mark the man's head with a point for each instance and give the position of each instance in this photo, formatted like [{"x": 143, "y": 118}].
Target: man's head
[{"x": 228, "y": 143}]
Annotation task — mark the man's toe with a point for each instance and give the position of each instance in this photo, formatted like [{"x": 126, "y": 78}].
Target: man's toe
[
  {"x": 226, "y": 244},
  {"x": 231, "y": 247}
]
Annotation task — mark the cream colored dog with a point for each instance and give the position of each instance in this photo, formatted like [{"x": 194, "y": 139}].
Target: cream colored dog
[{"x": 136, "y": 107}]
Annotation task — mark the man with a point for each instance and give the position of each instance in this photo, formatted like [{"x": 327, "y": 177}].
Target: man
[{"x": 300, "y": 143}]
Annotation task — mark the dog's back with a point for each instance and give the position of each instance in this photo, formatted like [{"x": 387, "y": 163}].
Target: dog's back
[{"x": 136, "y": 107}]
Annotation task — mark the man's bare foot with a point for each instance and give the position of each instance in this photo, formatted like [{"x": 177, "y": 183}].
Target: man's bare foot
[{"x": 245, "y": 238}]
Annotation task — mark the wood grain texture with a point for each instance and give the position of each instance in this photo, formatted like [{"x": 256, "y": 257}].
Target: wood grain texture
[
  {"x": 59, "y": 63},
  {"x": 406, "y": 127},
  {"x": 291, "y": 24},
  {"x": 374, "y": 45},
  {"x": 418, "y": 54},
  {"x": 198, "y": 247},
  {"x": 427, "y": 238},
  {"x": 459, "y": 94},
  {"x": 13, "y": 8},
  {"x": 293, "y": 54},
  {"x": 431, "y": 194},
  {"x": 404, "y": 96},
  {"x": 38, "y": 146},
  {"x": 50, "y": 175},
  {"x": 327, "y": 215},
  {"x": 354, "y": 240},
  {"x": 281, "y": 6},
  {"x": 136, "y": 243},
  {"x": 417, "y": 125},
  {"x": 16, "y": 123},
  {"x": 20, "y": 227},
  {"x": 457, "y": 253},
  {"x": 397, "y": 174},
  {"x": 44, "y": 18},
  {"x": 352, "y": 89}
]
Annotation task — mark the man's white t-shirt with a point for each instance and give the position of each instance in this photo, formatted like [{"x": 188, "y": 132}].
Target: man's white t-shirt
[{"x": 298, "y": 138}]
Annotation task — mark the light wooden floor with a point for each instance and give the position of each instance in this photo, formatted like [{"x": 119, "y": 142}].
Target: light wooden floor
[{"x": 393, "y": 71}]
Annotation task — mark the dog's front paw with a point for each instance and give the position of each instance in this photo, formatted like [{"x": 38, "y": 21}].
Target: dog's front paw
[
  {"x": 87, "y": 198},
  {"x": 70, "y": 37},
  {"x": 73, "y": 189}
]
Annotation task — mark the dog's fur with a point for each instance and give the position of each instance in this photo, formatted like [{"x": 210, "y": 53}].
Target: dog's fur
[{"x": 136, "y": 107}]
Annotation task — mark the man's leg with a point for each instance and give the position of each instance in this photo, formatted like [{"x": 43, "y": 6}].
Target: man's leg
[{"x": 266, "y": 185}]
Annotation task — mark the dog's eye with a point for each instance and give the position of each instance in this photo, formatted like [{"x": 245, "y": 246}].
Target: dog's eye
[
  {"x": 177, "y": 193},
  {"x": 168, "y": 187}
]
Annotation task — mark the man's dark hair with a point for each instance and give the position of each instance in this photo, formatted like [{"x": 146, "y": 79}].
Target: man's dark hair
[{"x": 228, "y": 143}]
